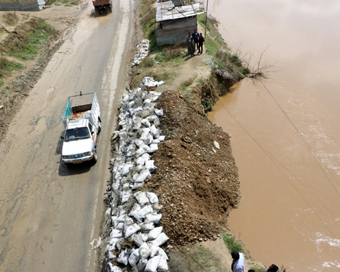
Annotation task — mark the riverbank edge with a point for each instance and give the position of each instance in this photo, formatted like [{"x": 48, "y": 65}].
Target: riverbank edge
[{"x": 199, "y": 93}]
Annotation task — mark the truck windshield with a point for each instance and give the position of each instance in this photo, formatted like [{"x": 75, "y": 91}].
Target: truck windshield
[{"x": 77, "y": 134}]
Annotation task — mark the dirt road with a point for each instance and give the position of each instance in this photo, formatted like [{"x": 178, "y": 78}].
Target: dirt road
[{"x": 49, "y": 214}]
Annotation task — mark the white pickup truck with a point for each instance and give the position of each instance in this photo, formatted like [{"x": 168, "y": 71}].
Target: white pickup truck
[{"x": 82, "y": 125}]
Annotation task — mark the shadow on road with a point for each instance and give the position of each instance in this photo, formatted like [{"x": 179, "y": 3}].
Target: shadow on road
[{"x": 74, "y": 169}]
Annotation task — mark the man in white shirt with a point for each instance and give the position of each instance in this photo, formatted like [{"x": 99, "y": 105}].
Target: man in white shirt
[{"x": 238, "y": 262}]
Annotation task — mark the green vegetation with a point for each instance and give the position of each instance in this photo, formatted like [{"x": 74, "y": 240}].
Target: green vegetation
[
  {"x": 36, "y": 40},
  {"x": 4, "y": 93},
  {"x": 232, "y": 243},
  {"x": 9, "y": 66},
  {"x": 1, "y": 81},
  {"x": 186, "y": 84},
  {"x": 201, "y": 259},
  {"x": 207, "y": 105},
  {"x": 213, "y": 39}
]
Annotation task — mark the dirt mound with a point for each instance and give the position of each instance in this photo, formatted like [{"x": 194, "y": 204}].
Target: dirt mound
[{"x": 197, "y": 179}]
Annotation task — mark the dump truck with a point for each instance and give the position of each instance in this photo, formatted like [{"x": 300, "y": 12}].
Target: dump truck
[
  {"x": 82, "y": 123},
  {"x": 101, "y": 6}
]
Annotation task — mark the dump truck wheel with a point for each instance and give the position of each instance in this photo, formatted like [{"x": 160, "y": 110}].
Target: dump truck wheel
[{"x": 99, "y": 126}]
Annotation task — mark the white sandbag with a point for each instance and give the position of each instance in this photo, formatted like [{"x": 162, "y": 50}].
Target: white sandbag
[
  {"x": 146, "y": 148},
  {"x": 126, "y": 169},
  {"x": 115, "y": 268},
  {"x": 147, "y": 226},
  {"x": 157, "y": 207},
  {"x": 143, "y": 175},
  {"x": 141, "y": 198},
  {"x": 152, "y": 264},
  {"x": 138, "y": 142},
  {"x": 162, "y": 253},
  {"x": 159, "y": 112},
  {"x": 151, "y": 118},
  {"x": 123, "y": 257},
  {"x": 161, "y": 138},
  {"x": 150, "y": 165},
  {"x": 153, "y": 234},
  {"x": 153, "y": 130},
  {"x": 142, "y": 264},
  {"x": 140, "y": 214},
  {"x": 153, "y": 148},
  {"x": 140, "y": 151},
  {"x": 144, "y": 251},
  {"x": 134, "y": 257},
  {"x": 144, "y": 133},
  {"x": 135, "y": 210},
  {"x": 132, "y": 229},
  {"x": 140, "y": 161},
  {"x": 162, "y": 265},
  {"x": 145, "y": 237},
  {"x": 153, "y": 198},
  {"x": 125, "y": 196},
  {"x": 137, "y": 239},
  {"x": 155, "y": 141},
  {"x": 147, "y": 101},
  {"x": 149, "y": 140},
  {"x": 160, "y": 240},
  {"x": 120, "y": 226},
  {"x": 136, "y": 186},
  {"x": 146, "y": 157},
  {"x": 154, "y": 250},
  {"x": 115, "y": 233},
  {"x": 145, "y": 123},
  {"x": 153, "y": 218}
]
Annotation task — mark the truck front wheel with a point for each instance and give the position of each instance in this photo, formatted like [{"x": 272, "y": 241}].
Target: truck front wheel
[
  {"x": 95, "y": 157},
  {"x": 99, "y": 126}
]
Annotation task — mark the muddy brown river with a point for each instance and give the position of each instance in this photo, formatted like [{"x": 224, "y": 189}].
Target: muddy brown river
[{"x": 285, "y": 129}]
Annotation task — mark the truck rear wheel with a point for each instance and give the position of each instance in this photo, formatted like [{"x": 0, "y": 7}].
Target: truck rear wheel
[{"x": 99, "y": 126}]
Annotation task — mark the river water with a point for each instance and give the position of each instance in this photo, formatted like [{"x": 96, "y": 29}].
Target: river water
[{"x": 285, "y": 129}]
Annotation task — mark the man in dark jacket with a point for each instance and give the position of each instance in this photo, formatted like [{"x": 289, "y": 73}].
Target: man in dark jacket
[
  {"x": 201, "y": 40},
  {"x": 195, "y": 35}
]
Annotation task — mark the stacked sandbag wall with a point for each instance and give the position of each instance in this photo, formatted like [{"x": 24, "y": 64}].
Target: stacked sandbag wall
[{"x": 135, "y": 235}]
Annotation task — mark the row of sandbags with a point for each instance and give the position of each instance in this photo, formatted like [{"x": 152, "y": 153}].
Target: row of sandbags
[
  {"x": 135, "y": 213},
  {"x": 143, "y": 51}
]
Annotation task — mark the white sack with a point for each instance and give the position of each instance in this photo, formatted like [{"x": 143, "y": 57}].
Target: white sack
[
  {"x": 152, "y": 197},
  {"x": 160, "y": 240},
  {"x": 141, "y": 264},
  {"x": 153, "y": 148},
  {"x": 153, "y": 218},
  {"x": 144, "y": 251},
  {"x": 152, "y": 264},
  {"x": 134, "y": 257},
  {"x": 159, "y": 112},
  {"x": 153, "y": 234},
  {"x": 163, "y": 265},
  {"x": 141, "y": 198},
  {"x": 132, "y": 229},
  {"x": 123, "y": 258},
  {"x": 150, "y": 165}
]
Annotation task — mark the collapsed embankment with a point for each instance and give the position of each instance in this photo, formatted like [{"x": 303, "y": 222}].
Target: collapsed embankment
[{"x": 197, "y": 179}]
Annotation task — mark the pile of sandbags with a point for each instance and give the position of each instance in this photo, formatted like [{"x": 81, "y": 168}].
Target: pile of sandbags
[
  {"x": 143, "y": 51},
  {"x": 135, "y": 213}
]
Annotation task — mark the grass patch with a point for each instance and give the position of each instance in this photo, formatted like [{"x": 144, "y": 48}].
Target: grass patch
[
  {"x": 185, "y": 84},
  {"x": 4, "y": 93},
  {"x": 201, "y": 259},
  {"x": 9, "y": 66},
  {"x": 213, "y": 39},
  {"x": 36, "y": 40},
  {"x": 232, "y": 243},
  {"x": 1, "y": 82}
]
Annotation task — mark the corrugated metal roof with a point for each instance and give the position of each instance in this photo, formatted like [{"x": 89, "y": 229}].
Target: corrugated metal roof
[{"x": 167, "y": 11}]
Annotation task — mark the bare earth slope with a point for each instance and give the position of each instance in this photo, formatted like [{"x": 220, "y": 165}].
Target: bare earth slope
[{"x": 197, "y": 178}]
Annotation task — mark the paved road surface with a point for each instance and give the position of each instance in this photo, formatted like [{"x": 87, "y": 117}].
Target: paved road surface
[{"x": 49, "y": 214}]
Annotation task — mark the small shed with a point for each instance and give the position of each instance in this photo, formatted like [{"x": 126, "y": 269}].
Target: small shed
[
  {"x": 21, "y": 5},
  {"x": 175, "y": 22}
]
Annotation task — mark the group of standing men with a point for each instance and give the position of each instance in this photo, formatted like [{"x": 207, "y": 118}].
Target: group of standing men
[
  {"x": 238, "y": 263},
  {"x": 195, "y": 41}
]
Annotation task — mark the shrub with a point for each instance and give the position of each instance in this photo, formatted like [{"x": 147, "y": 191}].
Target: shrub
[{"x": 232, "y": 243}]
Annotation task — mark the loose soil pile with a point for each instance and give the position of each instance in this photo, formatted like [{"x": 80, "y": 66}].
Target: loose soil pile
[{"x": 197, "y": 179}]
